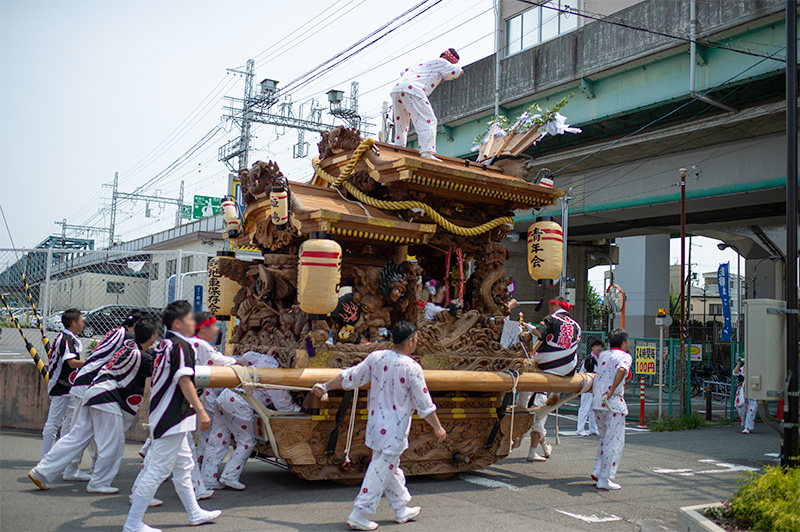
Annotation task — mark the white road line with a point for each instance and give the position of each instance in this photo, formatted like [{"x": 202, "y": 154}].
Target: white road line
[
  {"x": 723, "y": 467},
  {"x": 488, "y": 482},
  {"x": 773, "y": 455},
  {"x": 592, "y": 518}
]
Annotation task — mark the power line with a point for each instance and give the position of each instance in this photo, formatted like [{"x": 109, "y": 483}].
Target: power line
[
  {"x": 573, "y": 11},
  {"x": 666, "y": 115}
]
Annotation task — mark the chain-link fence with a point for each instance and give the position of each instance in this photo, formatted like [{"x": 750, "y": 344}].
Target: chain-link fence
[{"x": 104, "y": 285}]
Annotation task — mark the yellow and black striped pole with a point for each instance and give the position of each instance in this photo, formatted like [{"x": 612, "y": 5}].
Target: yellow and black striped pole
[
  {"x": 40, "y": 364},
  {"x": 45, "y": 339}
]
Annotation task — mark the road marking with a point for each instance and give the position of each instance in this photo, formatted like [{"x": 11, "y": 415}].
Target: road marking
[
  {"x": 723, "y": 467},
  {"x": 776, "y": 456},
  {"x": 592, "y": 518},
  {"x": 488, "y": 482}
]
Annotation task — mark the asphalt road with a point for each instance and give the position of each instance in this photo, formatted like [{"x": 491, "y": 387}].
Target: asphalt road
[{"x": 659, "y": 472}]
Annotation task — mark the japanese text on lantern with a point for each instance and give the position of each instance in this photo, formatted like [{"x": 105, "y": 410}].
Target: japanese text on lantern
[
  {"x": 214, "y": 287},
  {"x": 536, "y": 248}
]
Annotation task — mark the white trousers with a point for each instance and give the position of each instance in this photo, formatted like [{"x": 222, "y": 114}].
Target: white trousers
[
  {"x": 747, "y": 412},
  {"x": 384, "y": 476},
  {"x": 223, "y": 426},
  {"x": 167, "y": 455},
  {"x": 585, "y": 414},
  {"x": 409, "y": 108},
  {"x": 611, "y": 426},
  {"x": 106, "y": 429},
  {"x": 537, "y": 423},
  {"x": 59, "y": 415},
  {"x": 209, "y": 402}
]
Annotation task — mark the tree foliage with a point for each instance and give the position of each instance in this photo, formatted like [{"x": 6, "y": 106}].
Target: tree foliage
[{"x": 594, "y": 302}]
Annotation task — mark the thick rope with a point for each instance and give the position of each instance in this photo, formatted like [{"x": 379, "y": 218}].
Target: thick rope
[
  {"x": 539, "y": 411},
  {"x": 515, "y": 377},
  {"x": 440, "y": 220},
  {"x": 351, "y": 426},
  {"x": 365, "y": 145}
]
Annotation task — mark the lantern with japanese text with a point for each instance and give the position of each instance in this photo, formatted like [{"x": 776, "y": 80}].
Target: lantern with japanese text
[
  {"x": 318, "y": 276},
  {"x": 230, "y": 215},
  {"x": 221, "y": 290},
  {"x": 279, "y": 206},
  {"x": 545, "y": 251}
]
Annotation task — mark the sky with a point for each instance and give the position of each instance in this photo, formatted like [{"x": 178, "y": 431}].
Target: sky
[{"x": 92, "y": 87}]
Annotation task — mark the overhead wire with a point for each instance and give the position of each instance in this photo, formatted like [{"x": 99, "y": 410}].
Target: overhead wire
[{"x": 608, "y": 20}]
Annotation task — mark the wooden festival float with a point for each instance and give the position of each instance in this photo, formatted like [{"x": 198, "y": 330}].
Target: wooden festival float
[{"x": 375, "y": 220}]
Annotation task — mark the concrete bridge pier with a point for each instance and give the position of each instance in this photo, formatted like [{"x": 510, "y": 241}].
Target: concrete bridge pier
[{"x": 643, "y": 274}]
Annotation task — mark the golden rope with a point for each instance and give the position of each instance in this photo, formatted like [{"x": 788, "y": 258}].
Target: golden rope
[
  {"x": 440, "y": 220},
  {"x": 362, "y": 148}
]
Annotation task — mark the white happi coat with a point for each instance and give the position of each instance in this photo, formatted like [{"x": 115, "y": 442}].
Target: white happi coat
[
  {"x": 397, "y": 388},
  {"x": 747, "y": 408},
  {"x": 610, "y": 413},
  {"x": 206, "y": 355},
  {"x": 410, "y": 101}
]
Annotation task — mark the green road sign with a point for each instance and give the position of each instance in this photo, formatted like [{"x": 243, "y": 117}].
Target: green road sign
[
  {"x": 205, "y": 206},
  {"x": 186, "y": 212}
]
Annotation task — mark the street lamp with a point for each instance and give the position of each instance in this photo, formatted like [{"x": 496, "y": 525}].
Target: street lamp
[{"x": 773, "y": 258}]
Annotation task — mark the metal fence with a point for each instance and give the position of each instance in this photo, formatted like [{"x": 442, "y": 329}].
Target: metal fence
[{"x": 104, "y": 285}]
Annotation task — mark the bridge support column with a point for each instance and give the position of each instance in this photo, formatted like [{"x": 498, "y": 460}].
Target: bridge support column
[
  {"x": 763, "y": 279},
  {"x": 643, "y": 274}
]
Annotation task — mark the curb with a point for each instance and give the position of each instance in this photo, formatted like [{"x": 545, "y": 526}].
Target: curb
[{"x": 691, "y": 519}]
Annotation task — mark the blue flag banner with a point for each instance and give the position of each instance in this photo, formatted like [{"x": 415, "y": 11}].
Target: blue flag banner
[{"x": 724, "y": 283}]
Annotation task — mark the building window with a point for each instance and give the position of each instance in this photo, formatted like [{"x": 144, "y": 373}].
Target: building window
[
  {"x": 537, "y": 25},
  {"x": 154, "y": 271},
  {"x": 186, "y": 264},
  {"x": 715, "y": 309},
  {"x": 172, "y": 264},
  {"x": 80, "y": 283},
  {"x": 113, "y": 287}
]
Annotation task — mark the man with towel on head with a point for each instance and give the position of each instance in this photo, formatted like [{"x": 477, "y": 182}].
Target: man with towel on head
[
  {"x": 410, "y": 100},
  {"x": 557, "y": 355}
]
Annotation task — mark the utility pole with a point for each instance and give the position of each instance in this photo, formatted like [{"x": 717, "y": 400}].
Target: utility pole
[
  {"x": 88, "y": 228},
  {"x": 113, "y": 218},
  {"x": 683, "y": 292},
  {"x": 258, "y": 108},
  {"x": 116, "y": 195},
  {"x": 562, "y": 285},
  {"x": 790, "y": 448}
]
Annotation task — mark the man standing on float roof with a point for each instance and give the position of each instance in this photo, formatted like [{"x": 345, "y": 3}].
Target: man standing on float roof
[{"x": 410, "y": 100}]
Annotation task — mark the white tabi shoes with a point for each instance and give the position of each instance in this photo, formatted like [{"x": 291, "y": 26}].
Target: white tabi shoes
[
  {"x": 101, "y": 490},
  {"x": 607, "y": 484},
  {"x": 404, "y": 515},
  {"x": 78, "y": 476},
  {"x": 232, "y": 484},
  {"x": 358, "y": 521},
  {"x": 143, "y": 528},
  {"x": 38, "y": 479},
  {"x": 204, "y": 516},
  {"x": 429, "y": 156}
]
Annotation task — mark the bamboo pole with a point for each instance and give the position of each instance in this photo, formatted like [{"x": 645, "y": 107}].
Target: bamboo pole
[{"x": 437, "y": 380}]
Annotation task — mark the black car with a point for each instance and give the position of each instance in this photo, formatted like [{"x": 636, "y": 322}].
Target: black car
[{"x": 99, "y": 321}]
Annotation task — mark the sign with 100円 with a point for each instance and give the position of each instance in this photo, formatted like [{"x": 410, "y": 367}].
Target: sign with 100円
[{"x": 645, "y": 360}]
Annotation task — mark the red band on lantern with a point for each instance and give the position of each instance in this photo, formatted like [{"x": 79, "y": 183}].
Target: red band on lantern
[
  {"x": 210, "y": 321},
  {"x": 563, "y": 304}
]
